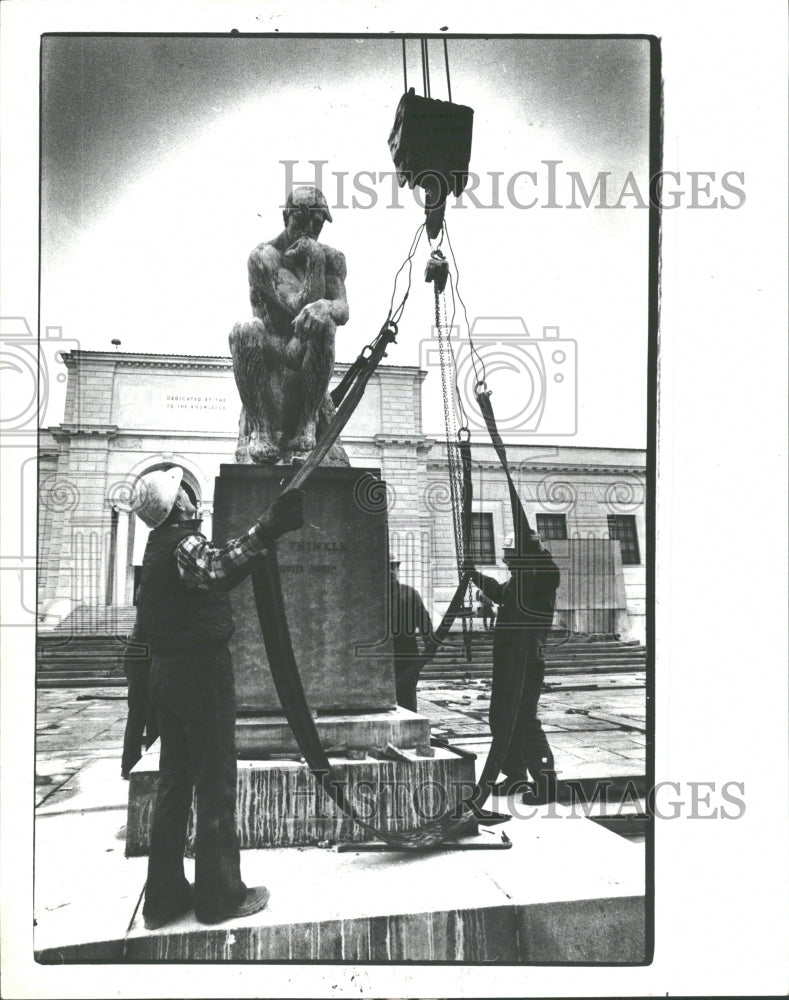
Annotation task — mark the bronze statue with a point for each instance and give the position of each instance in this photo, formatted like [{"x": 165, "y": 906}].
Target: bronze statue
[{"x": 284, "y": 357}]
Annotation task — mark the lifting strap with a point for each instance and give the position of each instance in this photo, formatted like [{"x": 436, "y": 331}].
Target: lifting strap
[
  {"x": 514, "y": 674},
  {"x": 524, "y": 539},
  {"x": 349, "y": 392}
]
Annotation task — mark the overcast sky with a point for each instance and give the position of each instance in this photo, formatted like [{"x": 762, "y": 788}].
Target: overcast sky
[{"x": 162, "y": 168}]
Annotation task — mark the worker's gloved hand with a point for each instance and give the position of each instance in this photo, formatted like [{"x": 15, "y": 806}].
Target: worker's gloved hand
[{"x": 285, "y": 514}]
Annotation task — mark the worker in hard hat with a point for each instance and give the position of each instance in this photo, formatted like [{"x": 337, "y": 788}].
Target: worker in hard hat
[
  {"x": 184, "y": 613},
  {"x": 526, "y": 606}
]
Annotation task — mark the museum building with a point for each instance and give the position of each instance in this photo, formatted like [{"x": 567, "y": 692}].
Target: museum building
[{"x": 129, "y": 413}]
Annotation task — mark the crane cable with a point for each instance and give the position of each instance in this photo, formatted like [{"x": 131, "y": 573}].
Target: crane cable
[{"x": 426, "y": 68}]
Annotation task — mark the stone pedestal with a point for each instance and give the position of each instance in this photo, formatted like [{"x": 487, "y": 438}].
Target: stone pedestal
[{"x": 335, "y": 583}]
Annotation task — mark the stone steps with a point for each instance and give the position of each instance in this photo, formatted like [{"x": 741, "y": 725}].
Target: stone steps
[
  {"x": 611, "y": 656},
  {"x": 578, "y": 655},
  {"x": 94, "y": 680},
  {"x": 67, "y": 660},
  {"x": 98, "y": 620}
]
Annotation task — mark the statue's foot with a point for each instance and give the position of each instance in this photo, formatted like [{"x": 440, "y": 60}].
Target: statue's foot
[
  {"x": 302, "y": 444},
  {"x": 263, "y": 452},
  {"x": 292, "y": 458}
]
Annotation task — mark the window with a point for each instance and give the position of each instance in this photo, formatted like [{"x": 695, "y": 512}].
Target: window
[
  {"x": 483, "y": 551},
  {"x": 551, "y": 526},
  {"x": 623, "y": 528}
]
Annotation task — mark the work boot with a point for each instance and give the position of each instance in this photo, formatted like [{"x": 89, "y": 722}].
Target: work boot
[
  {"x": 153, "y": 921},
  {"x": 514, "y": 782},
  {"x": 545, "y": 782},
  {"x": 253, "y": 901},
  {"x": 546, "y": 787}
]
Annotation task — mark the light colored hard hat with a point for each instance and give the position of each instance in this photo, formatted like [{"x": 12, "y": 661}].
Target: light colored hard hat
[
  {"x": 509, "y": 550},
  {"x": 155, "y": 495}
]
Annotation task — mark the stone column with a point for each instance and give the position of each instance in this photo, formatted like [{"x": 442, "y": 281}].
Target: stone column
[{"x": 121, "y": 553}]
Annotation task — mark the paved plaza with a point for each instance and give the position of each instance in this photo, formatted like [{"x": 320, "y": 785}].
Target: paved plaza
[
  {"x": 79, "y": 729},
  {"x": 81, "y": 807}
]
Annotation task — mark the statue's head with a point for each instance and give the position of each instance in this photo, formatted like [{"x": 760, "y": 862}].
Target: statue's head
[{"x": 306, "y": 210}]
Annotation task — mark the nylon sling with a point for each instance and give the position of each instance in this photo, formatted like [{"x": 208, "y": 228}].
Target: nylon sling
[{"x": 515, "y": 675}]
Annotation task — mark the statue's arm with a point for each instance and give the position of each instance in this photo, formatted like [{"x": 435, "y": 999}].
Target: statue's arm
[
  {"x": 333, "y": 304},
  {"x": 336, "y": 272},
  {"x": 269, "y": 280}
]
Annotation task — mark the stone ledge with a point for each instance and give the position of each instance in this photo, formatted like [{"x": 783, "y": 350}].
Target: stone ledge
[{"x": 259, "y": 735}]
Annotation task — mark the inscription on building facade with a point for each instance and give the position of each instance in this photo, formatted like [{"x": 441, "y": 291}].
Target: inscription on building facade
[{"x": 196, "y": 403}]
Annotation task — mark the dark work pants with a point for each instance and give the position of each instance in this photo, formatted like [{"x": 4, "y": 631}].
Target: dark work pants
[
  {"x": 141, "y": 724},
  {"x": 406, "y": 650},
  {"x": 194, "y": 696},
  {"x": 406, "y": 690},
  {"x": 528, "y": 749}
]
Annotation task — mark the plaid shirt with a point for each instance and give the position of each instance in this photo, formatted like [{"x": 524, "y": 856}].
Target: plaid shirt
[{"x": 203, "y": 567}]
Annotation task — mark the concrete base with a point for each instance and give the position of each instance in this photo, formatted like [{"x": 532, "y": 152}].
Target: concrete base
[
  {"x": 567, "y": 891},
  {"x": 279, "y": 803},
  {"x": 260, "y": 735}
]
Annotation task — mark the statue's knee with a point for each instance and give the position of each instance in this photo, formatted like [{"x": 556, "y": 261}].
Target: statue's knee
[{"x": 244, "y": 335}]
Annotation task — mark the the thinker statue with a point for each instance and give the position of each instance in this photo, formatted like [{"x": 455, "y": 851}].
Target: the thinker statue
[{"x": 284, "y": 357}]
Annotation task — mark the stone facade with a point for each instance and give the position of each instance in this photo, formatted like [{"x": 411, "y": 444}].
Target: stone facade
[{"x": 128, "y": 413}]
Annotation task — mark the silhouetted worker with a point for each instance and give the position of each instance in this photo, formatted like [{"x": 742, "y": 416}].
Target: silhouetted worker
[
  {"x": 141, "y": 724},
  {"x": 184, "y": 613},
  {"x": 408, "y": 616},
  {"x": 526, "y": 604}
]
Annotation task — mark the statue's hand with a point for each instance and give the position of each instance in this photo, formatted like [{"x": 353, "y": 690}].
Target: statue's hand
[
  {"x": 312, "y": 319},
  {"x": 303, "y": 249}
]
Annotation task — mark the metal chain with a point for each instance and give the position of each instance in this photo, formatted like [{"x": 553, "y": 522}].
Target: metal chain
[
  {"x": 449, "y": 426},
  {"x": 453, "y": 466},
  {"x": 456, "y": 477}
]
